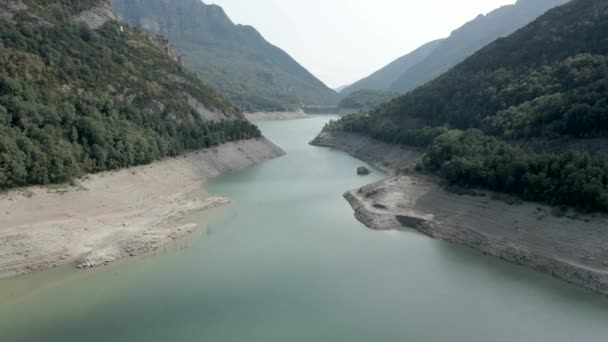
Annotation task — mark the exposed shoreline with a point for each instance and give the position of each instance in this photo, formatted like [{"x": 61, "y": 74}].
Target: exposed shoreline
[
  {"x": 382, "y": 156},
  {"x": 275, "y": 116},
  {"x": 572, "y": 248},
  {"x": 113, "y": 215}
]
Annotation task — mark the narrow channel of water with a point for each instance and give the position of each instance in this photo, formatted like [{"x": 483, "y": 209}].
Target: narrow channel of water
[{"x": 288, "y": 262}]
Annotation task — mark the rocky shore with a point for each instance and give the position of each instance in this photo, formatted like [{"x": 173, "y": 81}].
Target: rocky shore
[
  {"x": 567, "y": 245},
  {"x": 113, "y": 215},
  {"x": 382, "y": 156}
]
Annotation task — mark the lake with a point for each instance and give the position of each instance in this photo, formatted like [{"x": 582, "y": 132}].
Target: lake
[{"x": 287, "y": 261}]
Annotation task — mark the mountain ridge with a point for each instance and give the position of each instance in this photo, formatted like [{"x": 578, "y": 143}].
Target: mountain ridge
[
  {"x": 471, "y": 37},
  {"x": 436, "y": 57},
  {"x": 383, "y": 79},
  {"x": 235, "y": 59}
]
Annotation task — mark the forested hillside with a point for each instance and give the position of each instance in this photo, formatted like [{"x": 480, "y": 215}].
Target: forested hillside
[
  {"x": 546, "y": 82},
  {"x": 75, "y": 100},
  {"x": 235, "y": 59}
]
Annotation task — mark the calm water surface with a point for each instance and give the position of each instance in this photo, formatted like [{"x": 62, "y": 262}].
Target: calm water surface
[{"x": 288, "y": 262}]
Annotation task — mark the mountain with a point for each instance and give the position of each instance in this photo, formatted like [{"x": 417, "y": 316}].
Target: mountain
[
  {"x": 235, "y": 59},
  {"x": 437, "y": 57},
  {"x": 384, "y": 78},
  {"x": 471, "y": 37},
  {"x": 509, "y": 117},
  {"x": 81, "y": 93}
]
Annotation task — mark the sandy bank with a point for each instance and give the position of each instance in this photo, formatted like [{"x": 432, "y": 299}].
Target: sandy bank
[
  {"x": 275, "y": 116},
  {"x": 112, "y": 215},
  {"x": 573, "y": 248}
]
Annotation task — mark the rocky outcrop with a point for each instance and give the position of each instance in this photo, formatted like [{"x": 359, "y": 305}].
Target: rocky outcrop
[
  {"x": 571, "y": 248},
  {"x": 97, "y": 16}
]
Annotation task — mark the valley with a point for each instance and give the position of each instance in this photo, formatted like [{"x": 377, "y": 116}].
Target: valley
[{"x": 169, "y": 172}]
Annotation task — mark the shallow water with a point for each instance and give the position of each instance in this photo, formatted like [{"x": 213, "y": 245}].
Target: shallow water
[{"x": 288, "y": 262}]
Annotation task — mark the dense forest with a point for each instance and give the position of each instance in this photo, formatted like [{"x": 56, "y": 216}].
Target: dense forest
[
  {"x": 235, "y": 59},
  {"x": 74, "y": 100},
  {"x": 471, "y": 159},
  {"x": 548, "y": 80}
]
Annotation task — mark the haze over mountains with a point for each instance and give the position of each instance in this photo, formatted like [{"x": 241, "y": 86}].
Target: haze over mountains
[
  {"x": 235, "y": 59},
  {"x": 437, "y": 57},
  {"x": 383, "y": 79}
]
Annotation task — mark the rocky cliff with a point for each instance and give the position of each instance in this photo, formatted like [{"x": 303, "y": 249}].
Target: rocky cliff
[{"x": 97, "y": 15}]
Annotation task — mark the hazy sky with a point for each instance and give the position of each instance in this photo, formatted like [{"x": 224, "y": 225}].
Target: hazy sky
[{"x": 342, "y": 41}]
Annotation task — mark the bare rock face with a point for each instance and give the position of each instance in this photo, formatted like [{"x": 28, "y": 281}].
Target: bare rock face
[
  {"x": 168, "y": 48},
  {"x": 98, "y": 15},
  {"x": 206, "y": 113}
]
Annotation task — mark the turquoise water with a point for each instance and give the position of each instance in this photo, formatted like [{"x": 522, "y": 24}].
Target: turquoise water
[{"x": 288, "y": 262}]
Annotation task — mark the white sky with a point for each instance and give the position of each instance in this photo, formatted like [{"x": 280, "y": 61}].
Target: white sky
[{"x": 342, "y": 41}]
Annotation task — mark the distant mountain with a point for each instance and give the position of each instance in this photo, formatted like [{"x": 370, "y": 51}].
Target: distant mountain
[
  {"x": 471, "y": 37},
  {"x": 339, "y": 89},
  {"x": 437, "y": 57},
  {"x": 383, "y": 79},
  {"x": 235, "y": 59}
]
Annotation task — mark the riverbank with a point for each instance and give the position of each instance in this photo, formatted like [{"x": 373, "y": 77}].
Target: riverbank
[
  {"x": 569, "y": 246},
  {"x": 112, "y": 215},
  {"x": 382, "y": 156},
  {"x": 274, "y": 116}
]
